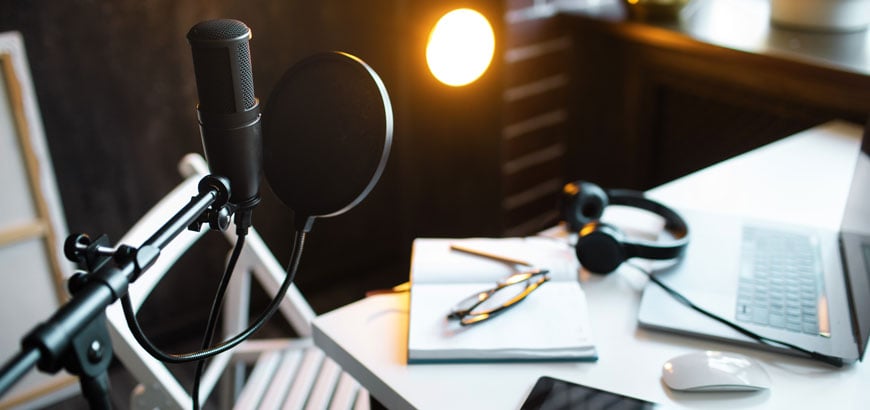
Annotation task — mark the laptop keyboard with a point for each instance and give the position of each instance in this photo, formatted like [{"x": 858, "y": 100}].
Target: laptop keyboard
[{"x": 781, "y": 283}]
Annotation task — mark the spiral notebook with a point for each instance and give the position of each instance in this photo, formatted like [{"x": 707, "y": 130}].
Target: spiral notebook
[{"x": 550, "y": 324}]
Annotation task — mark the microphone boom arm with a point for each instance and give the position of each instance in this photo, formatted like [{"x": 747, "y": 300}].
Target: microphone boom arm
[{"x": 75, "y": 337}]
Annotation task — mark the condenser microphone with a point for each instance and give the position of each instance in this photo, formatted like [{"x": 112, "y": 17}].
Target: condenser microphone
[
  {"x": 327, "y": 132},
  {"x": 228, "y": 111}
]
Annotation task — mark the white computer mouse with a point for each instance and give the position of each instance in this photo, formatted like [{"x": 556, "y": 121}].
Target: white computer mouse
[{"x": 715, "y": 371}]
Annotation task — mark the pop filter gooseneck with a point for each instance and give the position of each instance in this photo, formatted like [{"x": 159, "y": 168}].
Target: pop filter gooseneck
[{"x": 327, "y": 132}]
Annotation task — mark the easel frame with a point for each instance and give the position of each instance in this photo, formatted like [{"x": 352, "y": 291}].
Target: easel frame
[{"x": 47, "y": 225}]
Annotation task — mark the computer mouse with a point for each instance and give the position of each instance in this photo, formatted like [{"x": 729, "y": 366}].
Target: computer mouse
[{"x": 714, "y": 371}]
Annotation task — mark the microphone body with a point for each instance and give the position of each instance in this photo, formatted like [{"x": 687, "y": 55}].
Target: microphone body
[{"x": 228, "y": 112}]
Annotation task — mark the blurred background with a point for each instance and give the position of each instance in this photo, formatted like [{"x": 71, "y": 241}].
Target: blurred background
[{"x": 577, "y": 89}]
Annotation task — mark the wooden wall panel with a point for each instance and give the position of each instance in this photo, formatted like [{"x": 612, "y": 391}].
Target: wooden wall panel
[{"x": 536, "y": 117}]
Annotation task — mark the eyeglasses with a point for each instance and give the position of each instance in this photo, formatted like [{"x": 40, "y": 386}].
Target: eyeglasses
[{"x": 507, "y": 293}]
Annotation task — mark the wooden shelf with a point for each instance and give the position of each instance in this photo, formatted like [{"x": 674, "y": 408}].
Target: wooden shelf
[{"x": 657, "y": 100}]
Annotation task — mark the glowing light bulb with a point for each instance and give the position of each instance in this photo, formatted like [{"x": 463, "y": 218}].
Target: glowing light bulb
[{"x": 460, "y": 47}]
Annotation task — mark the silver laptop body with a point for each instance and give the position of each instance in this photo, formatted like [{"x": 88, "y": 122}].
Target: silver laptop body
[{"x": 802, "y": 285}]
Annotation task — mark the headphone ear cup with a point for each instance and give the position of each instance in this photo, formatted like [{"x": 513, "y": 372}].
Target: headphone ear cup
[
  {"x": 582, "y": 203},
  {"x": 599, "y": 248}
]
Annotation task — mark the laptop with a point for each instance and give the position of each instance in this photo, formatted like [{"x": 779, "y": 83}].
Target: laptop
[{"x": 799, "y": 284}]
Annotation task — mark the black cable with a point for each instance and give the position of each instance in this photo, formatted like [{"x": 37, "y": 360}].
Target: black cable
[
  {"x": 833, "y": 361},
  {"x": 139, "y": 335},
  {"x": 215, "y": 312}
]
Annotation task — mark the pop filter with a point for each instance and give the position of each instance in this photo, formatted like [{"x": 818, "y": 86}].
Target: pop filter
[{"x": 327, "y": 130}]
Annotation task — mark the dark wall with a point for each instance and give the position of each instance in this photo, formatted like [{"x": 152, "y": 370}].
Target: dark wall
[
  {"x": 451, "y": 154},
  {"x": 114, "y": 81}
]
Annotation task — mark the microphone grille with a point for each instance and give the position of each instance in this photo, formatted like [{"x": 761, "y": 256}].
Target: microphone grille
[
  {"x": 246, "y": 76},
  {"x": 218, "y": 46},
  {"x": 222, "y": 29}
]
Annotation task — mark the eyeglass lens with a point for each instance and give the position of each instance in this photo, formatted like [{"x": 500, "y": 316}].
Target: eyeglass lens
[{"x": 483, "y": 305}]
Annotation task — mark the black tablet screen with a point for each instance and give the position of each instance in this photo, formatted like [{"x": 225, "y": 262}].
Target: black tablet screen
[{"x": 555, "y": 394}]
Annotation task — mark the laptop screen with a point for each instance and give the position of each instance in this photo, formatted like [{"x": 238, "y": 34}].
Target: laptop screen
[{"x": 855, "y": 242}]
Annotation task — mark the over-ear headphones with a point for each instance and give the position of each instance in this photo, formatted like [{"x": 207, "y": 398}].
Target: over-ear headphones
[{"x": 602, "y": 247}]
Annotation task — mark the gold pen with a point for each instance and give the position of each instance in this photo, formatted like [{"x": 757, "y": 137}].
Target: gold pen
[{"x": 460, "y": 248}]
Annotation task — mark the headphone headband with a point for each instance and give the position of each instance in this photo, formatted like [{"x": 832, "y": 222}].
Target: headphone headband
[
  {"x": 600, "y": 247},
  {"x": 674, "y": 223}
]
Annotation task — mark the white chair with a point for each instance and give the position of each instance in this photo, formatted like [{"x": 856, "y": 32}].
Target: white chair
[{"x": 287, "y": 373}]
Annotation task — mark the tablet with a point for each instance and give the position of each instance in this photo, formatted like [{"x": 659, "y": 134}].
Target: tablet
[{"x": 555, "y": 394}]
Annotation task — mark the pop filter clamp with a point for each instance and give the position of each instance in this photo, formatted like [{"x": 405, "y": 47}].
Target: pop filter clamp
[{"x": 75, "y": 337}]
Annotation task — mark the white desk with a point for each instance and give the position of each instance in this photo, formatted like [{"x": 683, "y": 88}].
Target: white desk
[{"x": 804, "y": 175}]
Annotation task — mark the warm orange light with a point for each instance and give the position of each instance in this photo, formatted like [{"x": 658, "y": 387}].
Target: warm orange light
[{"x": 460, "y": 47}]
